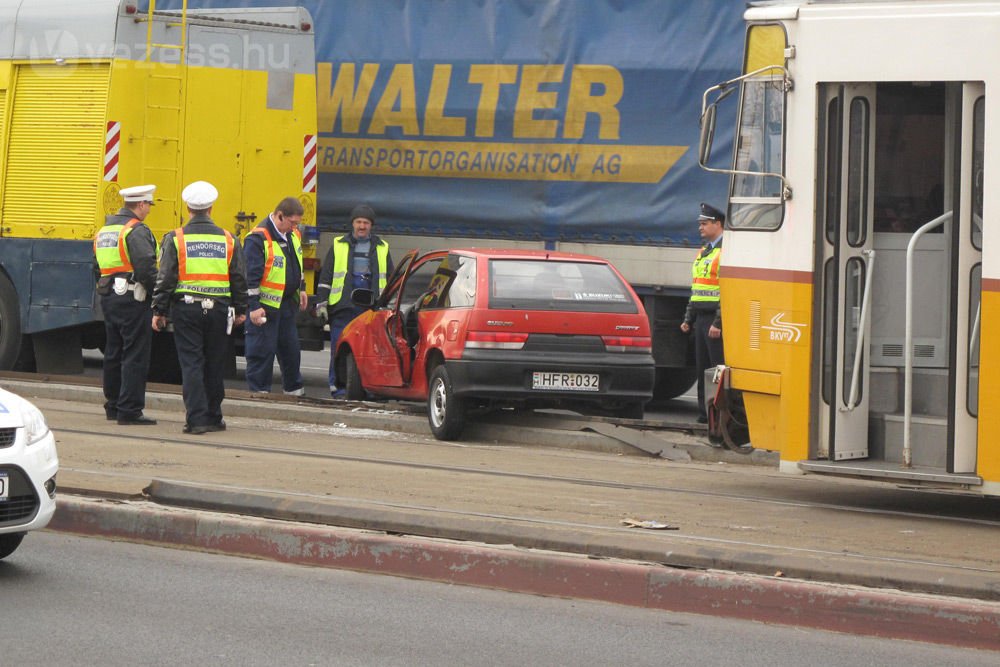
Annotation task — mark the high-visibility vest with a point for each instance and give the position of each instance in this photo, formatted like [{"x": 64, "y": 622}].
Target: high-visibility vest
[
  {"x": 705, "y": 276},
  {"x": 272, "y": 283},
  {"x": 341, "y": 249},
  {"x": 203, "y": 263},
  {"x": 110, "y": 248}
]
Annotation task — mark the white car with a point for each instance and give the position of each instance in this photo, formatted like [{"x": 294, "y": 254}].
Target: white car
[{"x": 28, "y": 466}]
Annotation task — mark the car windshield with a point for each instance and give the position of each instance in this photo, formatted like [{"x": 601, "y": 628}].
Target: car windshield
[{"x": 557, "y": 285}]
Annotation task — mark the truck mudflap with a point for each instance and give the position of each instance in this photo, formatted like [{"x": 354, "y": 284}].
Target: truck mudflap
[{"x": 727, "y": 418}]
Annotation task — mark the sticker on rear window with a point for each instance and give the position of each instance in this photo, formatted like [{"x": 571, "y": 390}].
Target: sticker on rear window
[{"x": 599, "y": 296}]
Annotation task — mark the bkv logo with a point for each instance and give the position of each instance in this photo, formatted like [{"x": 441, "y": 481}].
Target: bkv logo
[{"x": 784, "y": 332}]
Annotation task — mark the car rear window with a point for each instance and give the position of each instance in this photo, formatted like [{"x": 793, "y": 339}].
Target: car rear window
[{"x": 557, "y": 285}]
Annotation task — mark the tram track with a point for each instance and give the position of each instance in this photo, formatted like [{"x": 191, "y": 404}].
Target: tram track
[{"x": 527, "y": 476}]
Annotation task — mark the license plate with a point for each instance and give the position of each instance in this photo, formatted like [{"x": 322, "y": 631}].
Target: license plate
[
  {"x": 565, "y": 381},
  {"x": 4, "y": 486}
]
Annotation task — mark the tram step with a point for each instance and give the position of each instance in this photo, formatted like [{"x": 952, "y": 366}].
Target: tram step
[
  {"x": 928, "y": 438},
  {"x": 930, "y": 390}
]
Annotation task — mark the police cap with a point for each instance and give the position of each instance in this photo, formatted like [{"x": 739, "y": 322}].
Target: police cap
[
  {"x": 709, "y": 212},
  {"x": 200, "y": 195},
  {"x": 138, "y": 193}
]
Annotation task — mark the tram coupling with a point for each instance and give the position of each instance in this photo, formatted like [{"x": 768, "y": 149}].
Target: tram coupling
[{"x": 727, "y": 417}]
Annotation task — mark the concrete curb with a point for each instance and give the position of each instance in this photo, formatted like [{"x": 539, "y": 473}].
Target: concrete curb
[
  {"x": 354, "y": 415},
  {"x": 767, "y": 599},
  {"x": 670, "y": 549}
]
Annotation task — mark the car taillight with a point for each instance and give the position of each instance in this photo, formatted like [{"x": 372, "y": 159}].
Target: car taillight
[
  {"x": 627, "y": 343},
  {"x": 495, "y": 340}
]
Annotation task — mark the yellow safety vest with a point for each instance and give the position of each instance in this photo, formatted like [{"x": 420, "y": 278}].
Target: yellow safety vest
[
  {"x": 705, "y": 276},
  {"x": 272, "y": 283},
  {"x": 341, "y": 249},
  {"x": 110, "y": 248},
  {"x": 203, "y": 263}
]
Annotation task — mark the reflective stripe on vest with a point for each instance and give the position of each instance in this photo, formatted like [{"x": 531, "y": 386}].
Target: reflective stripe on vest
[
  {"x": 272, "y": 282},
  {"x": 705, "y": 276},
  {"x": 203, "y": 263},
  {"x": 341, "y": 249},
  {"x": 110, "y": 248}
]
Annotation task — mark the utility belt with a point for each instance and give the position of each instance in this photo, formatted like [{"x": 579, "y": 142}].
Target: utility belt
[
  {"x": 121, "y": 285},
  {"x": 206, "y": 302}
]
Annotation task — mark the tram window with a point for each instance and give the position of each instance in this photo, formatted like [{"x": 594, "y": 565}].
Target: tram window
[
  {"x": 978, "y": 152},
  {"x": 910, "y": 164},
  {"x": 829, "y": 328},
  {"x": 832, "y": 169},
  {"x": 755, "y": 201},
  {"x": 853, "y": 295},
  {"x": 972, "y": 389},
  {"x": 857, "y": 172}
]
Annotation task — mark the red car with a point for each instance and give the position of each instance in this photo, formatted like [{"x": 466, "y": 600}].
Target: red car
[{"x": 466, "y": 329}]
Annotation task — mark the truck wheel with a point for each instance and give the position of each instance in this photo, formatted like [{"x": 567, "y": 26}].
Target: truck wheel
[
  {"x": 353, "y": 389},
  {"x": 8, "y": 543},
  {"x": 672, "y": 382},
  {"x": 11, "y": 343},
  {"x": 445, "y": 411},
  {"x": 163, "y": 364}
]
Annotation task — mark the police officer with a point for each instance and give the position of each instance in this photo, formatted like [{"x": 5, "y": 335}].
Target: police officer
[
  {"x": 125, "y": 261},
  {"x": 202, "y": 287},
  {"x": 703, "y": 313},
  {"x": 359, "y": 259},
  {"x": 276, "y": 292}
]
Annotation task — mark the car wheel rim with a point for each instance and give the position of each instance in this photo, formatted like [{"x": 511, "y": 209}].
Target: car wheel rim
[{"x": 438, "y": 403}]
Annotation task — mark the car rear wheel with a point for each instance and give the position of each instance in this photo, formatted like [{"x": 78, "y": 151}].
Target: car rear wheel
[
  {"x": 352, "y": 381},
  {"x": 445, "y": 411},
  {"x": 8, "y": 543}
]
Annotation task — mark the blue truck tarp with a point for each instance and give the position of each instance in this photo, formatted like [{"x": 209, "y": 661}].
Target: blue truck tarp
[{"x": 543, "y": 120}]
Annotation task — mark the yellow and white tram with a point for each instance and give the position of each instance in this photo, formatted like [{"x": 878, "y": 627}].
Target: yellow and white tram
[{"x": 861, "y": 271}]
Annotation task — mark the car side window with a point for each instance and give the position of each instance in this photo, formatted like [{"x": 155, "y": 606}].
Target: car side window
[
  {"x": 419, "y": 281},
  {"x": 455, "y": 283}
]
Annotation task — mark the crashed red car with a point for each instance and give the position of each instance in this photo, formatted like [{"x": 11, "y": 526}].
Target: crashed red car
[{"x": 474, "y": 329}]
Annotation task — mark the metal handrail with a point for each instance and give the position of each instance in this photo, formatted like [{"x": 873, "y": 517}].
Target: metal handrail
[
  {"x": 852, "y": 397},
  {"x": 908, "y": 341}
]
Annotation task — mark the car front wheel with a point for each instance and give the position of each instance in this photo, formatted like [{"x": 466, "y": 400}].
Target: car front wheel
[
  {"x": 353, "y": 389},
  {"x": 445, "y": 411},
  {"x": 8, "y": 543}
]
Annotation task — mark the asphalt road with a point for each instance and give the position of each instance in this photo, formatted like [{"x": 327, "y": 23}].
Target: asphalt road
[{"x": 70, "y": 601}]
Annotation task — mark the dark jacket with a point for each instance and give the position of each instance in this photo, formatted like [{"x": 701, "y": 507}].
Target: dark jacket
[
  {"x": 253, "y": 252},
  {"x": 141, "y": 250},
  {"x": 166, "y": 280},
  {"x": 326, "y": 274}
]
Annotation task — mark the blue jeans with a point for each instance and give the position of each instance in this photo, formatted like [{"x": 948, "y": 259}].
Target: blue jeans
[
  {"x": 339, "y": 320},
  {"x": 276, "y": 337}
]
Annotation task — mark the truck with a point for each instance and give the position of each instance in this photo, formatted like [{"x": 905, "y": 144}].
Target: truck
[
  {"x": 100, "y": 95},
  {"x": 566, "y": 125}
]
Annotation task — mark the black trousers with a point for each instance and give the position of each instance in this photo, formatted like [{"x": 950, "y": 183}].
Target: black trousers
[
  {"x": 707, "y": 352},
  {"x": 202, "y": 346},
  {"x": 128, "y": 332}
]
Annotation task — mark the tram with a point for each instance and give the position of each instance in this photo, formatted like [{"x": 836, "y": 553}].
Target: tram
[{"x": 860, "y": 280}]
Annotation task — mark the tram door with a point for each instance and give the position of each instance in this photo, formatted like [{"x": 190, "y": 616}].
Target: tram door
[
  {"x": 894, "y": 157},
  {"x": 847, "y": 141}
]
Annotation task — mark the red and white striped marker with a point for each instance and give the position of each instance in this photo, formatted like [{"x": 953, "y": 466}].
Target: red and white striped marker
[
  {"x": 111, "y": 141},
  {"x": 309, "y": 164}
]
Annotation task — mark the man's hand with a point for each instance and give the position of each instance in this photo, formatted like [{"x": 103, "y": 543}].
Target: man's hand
[
  {"x": 685, "y": 327},
  {"x": 321, "y": 312},
  {"x": 257, "y": 317},
  {"x": 303, "y": 301},
  {"x": 240, "y": 319},
  {"x": 714, "y": 332},
  {"x": 159, "y": 322}
]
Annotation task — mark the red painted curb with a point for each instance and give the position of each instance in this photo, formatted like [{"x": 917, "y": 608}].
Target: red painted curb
[{"x": 862, "y": 611}]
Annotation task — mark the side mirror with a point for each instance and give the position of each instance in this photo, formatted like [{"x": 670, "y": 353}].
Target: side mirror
[
  {"x": 363, "y": 297},
  {"x": 707, "y": 134}
]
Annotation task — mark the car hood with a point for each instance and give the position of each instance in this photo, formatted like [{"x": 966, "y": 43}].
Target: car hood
[{"x": 11, "y": 406}]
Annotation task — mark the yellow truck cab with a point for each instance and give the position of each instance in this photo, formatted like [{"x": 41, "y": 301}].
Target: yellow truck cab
[{"x": 100, "y": 95}]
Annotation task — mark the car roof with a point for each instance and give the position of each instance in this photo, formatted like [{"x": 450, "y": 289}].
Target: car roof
[{"x": 515, "y": 253}]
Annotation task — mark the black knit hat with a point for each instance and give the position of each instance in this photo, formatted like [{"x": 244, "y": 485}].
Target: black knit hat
[{"x": 362, "y": 211}]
